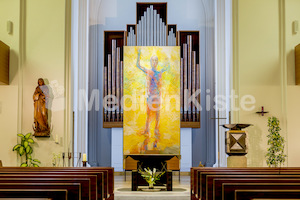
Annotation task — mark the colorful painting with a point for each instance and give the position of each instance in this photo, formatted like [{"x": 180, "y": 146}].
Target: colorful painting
[{"x": 151, "y": 101}]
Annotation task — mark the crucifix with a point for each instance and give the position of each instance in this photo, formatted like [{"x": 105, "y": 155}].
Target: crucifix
[{"x": 219, "y": 118}]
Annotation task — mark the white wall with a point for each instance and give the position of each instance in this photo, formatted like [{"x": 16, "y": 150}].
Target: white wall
[
  {"x": 265, "y": 55},
  {"x": 44, "y": 57},
  {"x": 9, "y": 11},
  {"x": 293, "y": 91}
]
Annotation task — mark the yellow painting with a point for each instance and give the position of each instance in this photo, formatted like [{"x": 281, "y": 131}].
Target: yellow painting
[{"x": 151, "y": 100}]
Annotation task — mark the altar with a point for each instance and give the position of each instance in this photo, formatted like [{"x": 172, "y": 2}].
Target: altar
[{"x": 157, "y": 161}]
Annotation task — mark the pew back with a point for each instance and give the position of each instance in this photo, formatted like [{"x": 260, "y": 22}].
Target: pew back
[
  {"x": 223, "y": 183},
  {"x": 101, "y": 179}
]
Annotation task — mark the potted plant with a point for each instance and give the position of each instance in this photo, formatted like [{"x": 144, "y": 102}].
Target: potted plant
[
  {"x": 24, "y": 148},
  {"x": 275, "y": 156},
  {"x": 151, "y": 176}
]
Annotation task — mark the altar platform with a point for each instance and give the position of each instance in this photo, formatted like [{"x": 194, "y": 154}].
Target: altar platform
[{"x": 181, "y": 190}]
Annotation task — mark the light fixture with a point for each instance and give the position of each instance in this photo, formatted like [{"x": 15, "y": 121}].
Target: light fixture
[
  {"x": 295, "y": 26},
  {"x": 9, "y": 27}
]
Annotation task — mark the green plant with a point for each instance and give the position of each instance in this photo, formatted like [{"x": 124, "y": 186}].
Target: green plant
[
  {"x": 151, "y": 176},
  {"x": 275, "y": 156},
  {"x": 24, "y": 148}
]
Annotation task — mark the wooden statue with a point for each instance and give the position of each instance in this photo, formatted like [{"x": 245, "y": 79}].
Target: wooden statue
[{"x": 40, "y": 99}]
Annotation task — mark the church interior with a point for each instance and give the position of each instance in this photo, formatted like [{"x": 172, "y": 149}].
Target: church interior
[{"x": 85, "y": 79}]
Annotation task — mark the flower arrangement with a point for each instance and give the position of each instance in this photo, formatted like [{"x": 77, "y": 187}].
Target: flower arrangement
[
  {"x": 56, "y": 159},
  {"x": 151, "y": 176}
]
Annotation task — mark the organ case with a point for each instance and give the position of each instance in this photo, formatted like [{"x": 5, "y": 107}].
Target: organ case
[{"x": 151, "y": 29}]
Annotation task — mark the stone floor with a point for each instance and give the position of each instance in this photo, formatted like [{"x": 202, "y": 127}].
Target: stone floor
[{"x": 181, "y": 190}]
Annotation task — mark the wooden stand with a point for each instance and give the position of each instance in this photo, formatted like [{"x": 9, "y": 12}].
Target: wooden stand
[{"x": 84, "y": 163}]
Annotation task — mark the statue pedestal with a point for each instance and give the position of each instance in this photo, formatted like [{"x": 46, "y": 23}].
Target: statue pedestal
[{"x": 236, "y": 161}]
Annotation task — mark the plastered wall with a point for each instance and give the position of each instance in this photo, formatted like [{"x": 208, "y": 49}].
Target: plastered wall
[
  {"x": 9, "y": 11},
  {"x": 44, "y": 57},
  {"x": 266, "y": 71},
  {"x": 293, "y": 91}
]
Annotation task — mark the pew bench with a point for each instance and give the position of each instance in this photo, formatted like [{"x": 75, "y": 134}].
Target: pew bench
[
  {"x": 237, "y": 183},
  {"x": 78, "y": 188},
  {"x": 94, "y": 182},
  {"x": 34, "y": 193}
]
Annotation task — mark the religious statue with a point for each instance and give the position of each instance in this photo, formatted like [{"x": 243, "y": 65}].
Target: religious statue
[{"x": 40, "y": 99}]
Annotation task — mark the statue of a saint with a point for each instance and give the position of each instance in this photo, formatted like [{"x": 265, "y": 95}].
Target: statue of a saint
[{"x": 40, "y": 99}]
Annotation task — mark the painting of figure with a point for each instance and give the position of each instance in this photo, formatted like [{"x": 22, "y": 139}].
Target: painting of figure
[{"x": 151, "y": 100}]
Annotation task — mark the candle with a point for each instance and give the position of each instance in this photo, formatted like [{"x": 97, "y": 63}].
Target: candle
[
  {"x": 84, "y": 157},
  {"x": 56, "y": 139}
]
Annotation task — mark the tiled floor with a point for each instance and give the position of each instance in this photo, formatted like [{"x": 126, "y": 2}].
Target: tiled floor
[{"x": 181, "y": 190}]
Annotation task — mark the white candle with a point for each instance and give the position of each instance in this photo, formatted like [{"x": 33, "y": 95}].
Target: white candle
[
  {"x": 56, "y": 139},
  {"x": 84, "y": 157}
]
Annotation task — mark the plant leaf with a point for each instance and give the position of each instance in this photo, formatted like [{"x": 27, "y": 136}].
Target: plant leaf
[
  {"x": 28, "y": 149},
  {"x": 36, "y": 160},
  {"x": 16, "y": 147},
  {"x": 27, "y": 135},
  {"x": 35, "y": 165},
  {"x": 25, "y": 144},
  {"x": 30, "y": 140},
  {"x": 20, "y": 135},
  {"x": 24, "y": 165},
  {"x": 21, "y": 150}
]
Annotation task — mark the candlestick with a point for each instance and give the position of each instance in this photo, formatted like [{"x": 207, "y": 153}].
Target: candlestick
[
  {"x": 63, "y": 157},
  {"x": 84, "y": 157},
  {"x": 84, "y": 163},
  {"x": 70, "y": 157}
]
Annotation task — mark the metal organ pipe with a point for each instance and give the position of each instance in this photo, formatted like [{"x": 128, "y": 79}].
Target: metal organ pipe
[
  {"x": 145, "y": 30},
  {"x": 118, "y": 80},
  {"x": 151, "y": 31},
  {"x": 151, "y": 26},
  {"x": 157, "y": 30},
  {"x": 148, "y": 27},
  {"x": 154, "y": 27}
]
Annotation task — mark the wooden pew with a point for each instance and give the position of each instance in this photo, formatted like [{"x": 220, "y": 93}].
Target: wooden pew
[
  {"x": 89, "y": 188},
  {"x": 34, "y": 193},
  {"x": 230, "y": 188},
  {"x": 104, "y": 176},
  {"x": 214, "y": 190},
  {"x": 73, "y": 189},
  {"x": 209, "y": 183},
  {"x": 82, "y": 192},
  {"x": 276, "y": 194}
]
